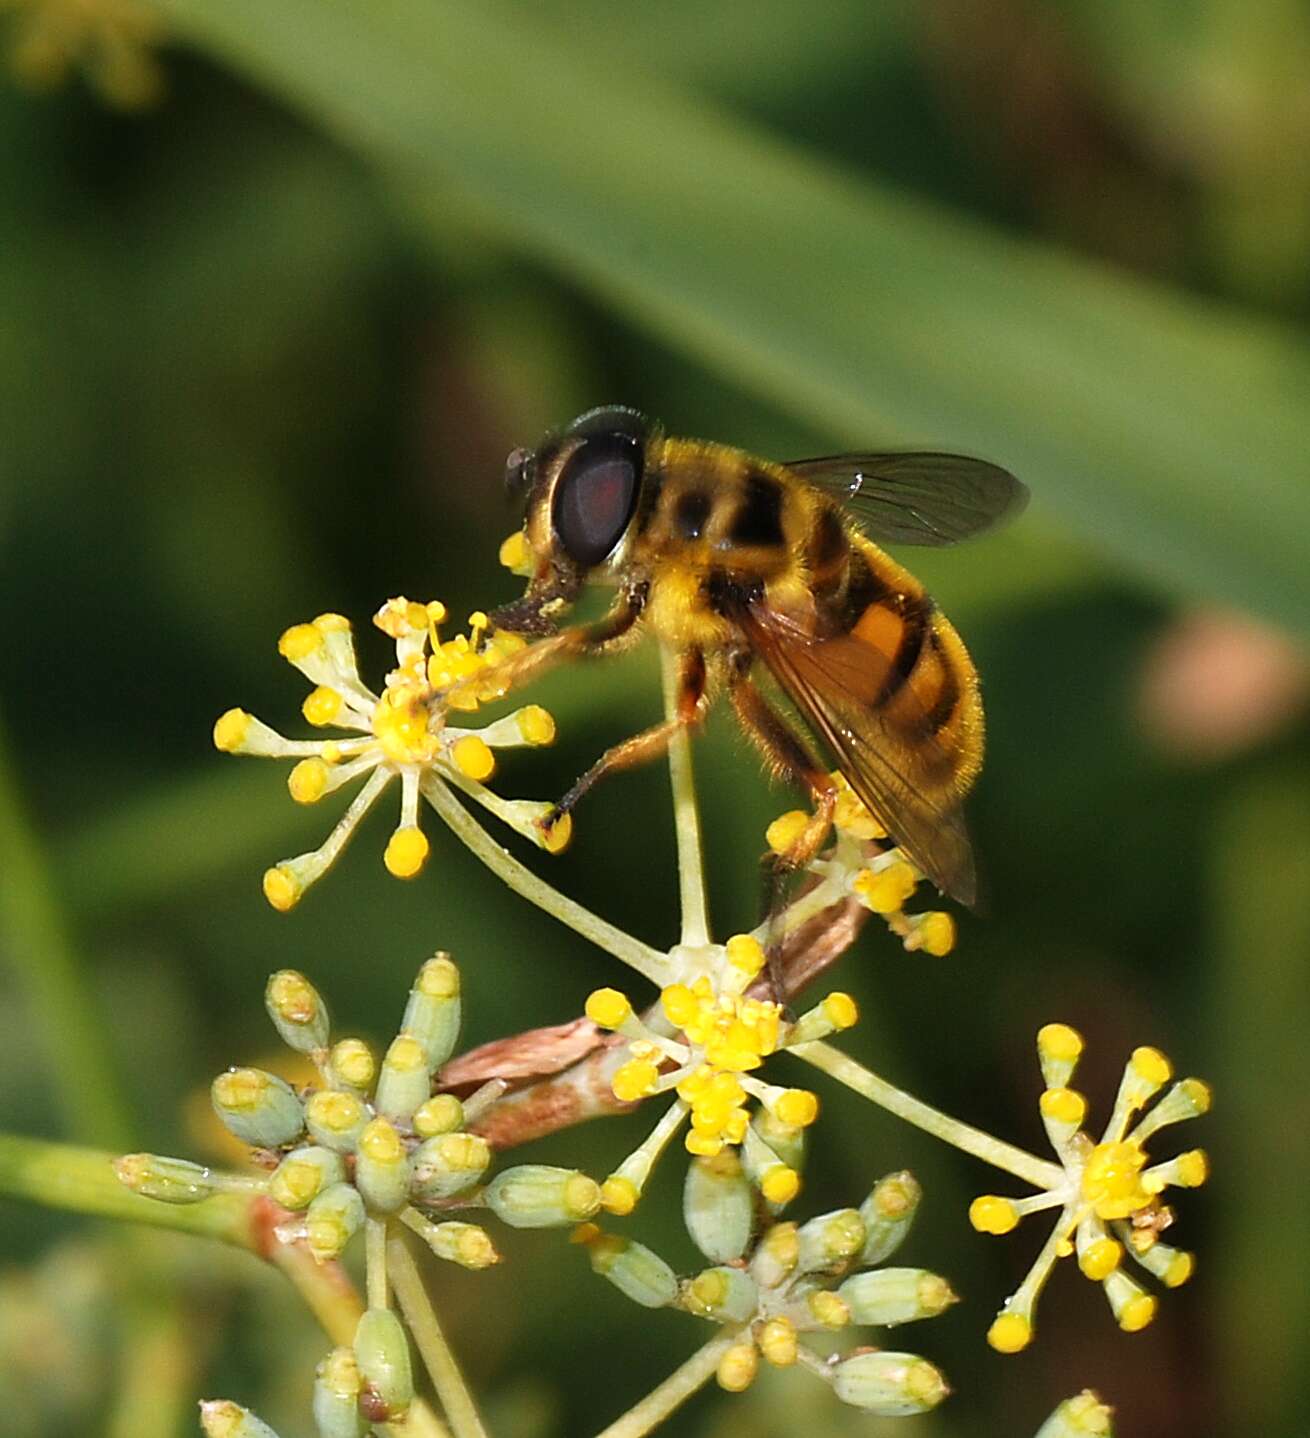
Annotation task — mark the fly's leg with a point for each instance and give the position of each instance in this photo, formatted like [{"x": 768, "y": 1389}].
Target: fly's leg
[{"x": 690, "y": 707}]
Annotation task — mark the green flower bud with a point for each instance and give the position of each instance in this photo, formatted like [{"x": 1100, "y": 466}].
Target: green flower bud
[
  {"x": 432, "y": 1015},
  {"x": 298, "y": 1012},
  {"x": 382, "y": 1167},
  {"x": 727, "y": 1295},
  {"x": 633, "y": 1269},
  {"x": 888, "y": 1213},
  {"x": 222, "y": 1419},
  {"x": 168, "y": 1180},
  {"x": 257, "y": 1107},
  {"x": 334, "y": 1218},
  {"x": 405, "y": 1081},
  {"x": 351, "y": 1066},
  {"x": 535, "y": 1195},
  {"x": 787, "y": 1141},
  {"x": 889, "y": 1296},
  {"x": 336, "y": 1396},
  {"x": 382, "y": 1353},
  {"x": 890, "y": 1385},
  {"x": 335, "y": 1119},
  {"x": 830, "y": 1240},
  {"x": 303, "y": 1174},
  {"x": 442, "y": 1113},
  {"x": 775, "y": 1258},
  {"x": 1082, "y": 1417},
  {"x": 464, "y": 1243},
  {"x": 718, "y": 1206},
  {"x": 448, "y": 1165}
]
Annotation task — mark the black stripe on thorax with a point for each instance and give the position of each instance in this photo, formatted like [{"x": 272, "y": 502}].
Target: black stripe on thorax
[
  {"x": 691, "y": 512},
  {"x": 758, "y": 520}
]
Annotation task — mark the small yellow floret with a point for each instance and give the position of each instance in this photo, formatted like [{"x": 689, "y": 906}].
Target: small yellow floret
[
  {"x": 381, "y": 1143},
  {"x": 1060, "y": 1042},
  {"x": 618, "y": 1195},
  {"x": 299, "y": 642},
  {"x": 406, "y": 852},
  {"x": 608, "y": 1008},
  {"x": 442, "y": 1113},
  {"x": 885, "y": 891},
  {"x": 292, "y": 997},
  {"x": 797, "y": 1107},
  {"x": 351, "y": 1060},
  {"x": 1010, "y": 1333},
  {"x": 992, "y": 1214},
  {"x": 307, "y": 782},
  {"x": 536, "y": 725},
  {"x": 840, "y": 1010},
  {"x": 321, "y": 706},
  {"x": 1063, "y": 1105},
  {"x": 737, "y": 1368},
  {"x": 681, "y": 1007},
  {"x": 785, "y": 830},
  {"x": 936, "y": 933},
  {"x": 780, "y": 1184},
  {"x": 1137, "y": 1313},
  {"x": 439, "y": 977},
  {"x": 777, "y": 1340},
  {"x": 1193, "y": 1168},
  {"x": 295, "y": 1183},
  {"x": 281, "y": 888},
  {"x": 230, "y": 730},
  {"x": 1100, "y": 1258},
  {"x": 634, "y": 1080},
  {"x": 1151, "y": 1065},
  {"x": 1181, "y": 1267},
  {"x": 746, "y": 953},
  {"x": 405, "y": 1055},
  {"x": 473, "y": 758},
  {"x": 1112, "y": 1180},
  {"x": 828, "y": 1308},
  {"x": 703, "y": 1145},
  {"x": 333, "y": 1110}
]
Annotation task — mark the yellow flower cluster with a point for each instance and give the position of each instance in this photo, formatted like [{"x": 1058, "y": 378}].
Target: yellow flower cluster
[
  {"x": 882, "y": 879},
  {"x": 1109, "y": 1198},
  {"x": 402, "y": 732}
]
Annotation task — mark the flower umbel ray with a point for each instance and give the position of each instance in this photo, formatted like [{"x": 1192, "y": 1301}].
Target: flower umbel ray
[
  {"x": 401, "y": 733},
  {"x": 1109, "y": 1200},
  {"x": 726, "y": 1036}
]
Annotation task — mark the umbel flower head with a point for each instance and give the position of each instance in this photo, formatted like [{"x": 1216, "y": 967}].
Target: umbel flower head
[
  {"x": 726, "y": 1036},
  {"x": 770, "y": 1291},
  {"x": 861, "y": 864},
  {"x": 402, "y": 733},
  {"x": 1109, "y": 1200}
]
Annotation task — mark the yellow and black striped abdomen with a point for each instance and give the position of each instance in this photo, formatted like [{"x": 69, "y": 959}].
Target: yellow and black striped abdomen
[{"x": 919, "y": 676}]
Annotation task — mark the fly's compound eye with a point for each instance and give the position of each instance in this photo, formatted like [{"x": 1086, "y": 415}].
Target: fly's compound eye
[
  {"x": 596, "y": 495},
  {"x": 518, "y": 473}
]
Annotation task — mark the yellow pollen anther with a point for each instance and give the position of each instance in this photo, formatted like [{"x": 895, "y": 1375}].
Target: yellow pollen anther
[
  {"x": 230, "y": 730},
  {"x": 406, "y": 852},
  {"x": 840, "y": 1010},
  {"x": 797, "y": 1107},
  {"x": 281, "y": 888},
  {"x": 1193, "y": 1168},
  {"x": 1180, "y": 1269},
  {"x": 746, "y": 953},
  {"x": 307, "y": 782},
  {"x": 473, "y": 758},
  {"x": 401, "y": 726},
  {"x": 1137, "y": 1313},
  {"x": 885, "y": 891},
  {"x": 1010, "y": 1333},
  {"x": 777, "y": 1340},
  {"x": 780, "y": 1184},
  {"x": 380, "y": 1142},
  {"x": 536, "y": 725},
  {"x": 635, "y": 1080},
  {"x": 1112, "y": 1180},
  {"x": 322, "y": 706},
  {"x": 992, "y": 1214},
  {"x": 785, "y": 830},
  {"x": 618, "y": 1195},
  {"x": 737, "y": 1368},
  {"x": 608, "y": 1008},
  {"x": 935, "y": 932},
  {"x": 1100, "y": 1258},
  {"x": 1060, "y": 1042},
  {"x": 352, "y": 1061},
  {"x": 299, "y": 642},
  {"x": 1063, "y": 1105},
  {"x": 1152, "y": 1066}
]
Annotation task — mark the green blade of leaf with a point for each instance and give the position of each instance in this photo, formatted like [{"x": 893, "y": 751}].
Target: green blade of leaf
[{"x": 1171, "y": 433}]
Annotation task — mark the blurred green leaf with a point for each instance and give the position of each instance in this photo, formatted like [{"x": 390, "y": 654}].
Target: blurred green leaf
[{"x": 1174, "y": 434}]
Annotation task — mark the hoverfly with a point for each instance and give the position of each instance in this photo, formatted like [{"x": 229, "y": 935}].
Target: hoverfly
[{"x": 734, "y": 560}]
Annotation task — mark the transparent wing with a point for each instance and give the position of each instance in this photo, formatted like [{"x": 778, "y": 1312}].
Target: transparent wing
[
  {"x": 904, "y": 776},
  {"x": 919, "y": 498}
]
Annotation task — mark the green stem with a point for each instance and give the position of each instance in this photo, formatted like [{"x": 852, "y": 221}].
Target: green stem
[
  {"x": 1027, "y": 1166},
  {"x": 82, "y": 1180},
  {"x": 656, "y": 1406},
  {"x": 375, "y": 1262},
  {"x": 528, "y": 885},
  {"x": 421, "y": 1319},
  {"x": 39, "y": 948},
  {"x": 686, "y": 813}
]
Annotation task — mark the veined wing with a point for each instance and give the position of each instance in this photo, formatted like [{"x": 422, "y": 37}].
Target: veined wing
[{"x": 918, "y": 498}]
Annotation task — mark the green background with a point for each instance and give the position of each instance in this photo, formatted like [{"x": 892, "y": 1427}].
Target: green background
[{"x": 263, "y": 348}]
